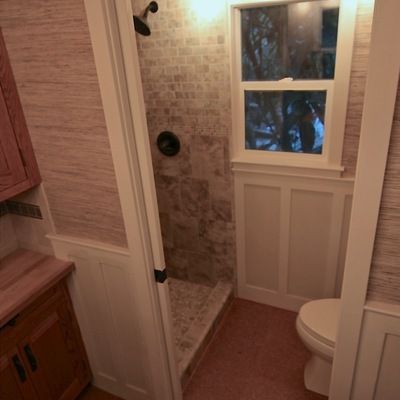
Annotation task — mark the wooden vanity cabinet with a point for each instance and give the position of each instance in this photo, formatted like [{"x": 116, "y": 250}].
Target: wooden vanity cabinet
[
  {"x": 42, "y": 356},
  {"x": 18, "y": 167}
]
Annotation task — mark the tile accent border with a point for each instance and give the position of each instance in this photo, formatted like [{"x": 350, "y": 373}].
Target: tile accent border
[{"x": 22, "y": 209}]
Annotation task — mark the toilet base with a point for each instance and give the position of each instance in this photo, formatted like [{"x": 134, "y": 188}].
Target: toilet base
[{"x": 317, "y": 375}]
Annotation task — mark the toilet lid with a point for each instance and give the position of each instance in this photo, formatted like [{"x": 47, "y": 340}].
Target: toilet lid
[{"x": 321, "y": 318}]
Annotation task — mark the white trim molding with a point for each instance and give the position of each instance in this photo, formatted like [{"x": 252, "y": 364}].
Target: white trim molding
[
  {"x": 337, "y": 90},
  {"x": 379, "y": 102},
  {"x": 114, "y": 46}
]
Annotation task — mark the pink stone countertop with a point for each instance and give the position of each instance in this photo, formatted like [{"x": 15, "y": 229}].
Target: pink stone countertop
[{"x": 24, "y": 276}]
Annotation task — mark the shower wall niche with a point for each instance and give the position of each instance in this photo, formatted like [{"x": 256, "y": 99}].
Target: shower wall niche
[{"x": 185, "y": 73}]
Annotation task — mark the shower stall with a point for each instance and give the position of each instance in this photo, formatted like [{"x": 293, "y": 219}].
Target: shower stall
[{"x": 189, "y": 124}]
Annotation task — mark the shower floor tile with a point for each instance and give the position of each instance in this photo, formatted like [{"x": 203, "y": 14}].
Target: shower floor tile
[
  {"x": 187, "y": 300},
  {"x": 196, "y": 312}
]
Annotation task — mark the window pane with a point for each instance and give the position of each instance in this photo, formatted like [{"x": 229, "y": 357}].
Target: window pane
[
  {"x": 295, "y": 40},
  {"x": 289, "y": 121}
]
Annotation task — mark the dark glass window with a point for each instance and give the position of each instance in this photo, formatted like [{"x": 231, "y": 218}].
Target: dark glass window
[
  {"x": 288, "y": 120},
  {"x": 295, "y": 40}
]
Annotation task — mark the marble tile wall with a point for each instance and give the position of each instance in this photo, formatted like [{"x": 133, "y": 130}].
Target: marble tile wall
[
  {"x": 384, "y": 283},
  {"x": 8, "y": 238},
  {"x": 26, "y": 224},
  {"x": 184, "y": 66},
  {"x": 186, "y": 79}
]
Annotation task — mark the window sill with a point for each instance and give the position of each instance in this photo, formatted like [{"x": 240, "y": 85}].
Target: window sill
[{"x": 289, "y": 166}]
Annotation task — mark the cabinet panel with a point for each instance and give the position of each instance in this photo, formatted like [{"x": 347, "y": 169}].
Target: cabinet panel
[
  {"x": 15, "y": 383},
  {"x": 12, "y": 169},
  {"x": 18, "y": 167}
]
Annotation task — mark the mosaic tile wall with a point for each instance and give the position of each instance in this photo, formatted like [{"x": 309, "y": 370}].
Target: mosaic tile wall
[
  {"x": 186, "y": 79},
  {"x": 384, "y": 284},
  {"x": 187, "y": 91},
  {"x": 22, "y": 225}
]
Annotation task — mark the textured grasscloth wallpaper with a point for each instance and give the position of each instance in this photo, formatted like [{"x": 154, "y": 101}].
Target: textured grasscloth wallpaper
[
  {"x": 186, "y": 76},
  {"x": 51, "y": 55},
  {"x": 357, "y": 86},
  {"x": 384, "y": 282}
]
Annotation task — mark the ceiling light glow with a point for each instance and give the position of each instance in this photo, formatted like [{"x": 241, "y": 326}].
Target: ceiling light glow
[{"x": 207, "y": 10}]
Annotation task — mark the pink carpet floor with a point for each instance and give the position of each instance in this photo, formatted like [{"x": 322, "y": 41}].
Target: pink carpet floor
[{"x": 256, "y": 355}]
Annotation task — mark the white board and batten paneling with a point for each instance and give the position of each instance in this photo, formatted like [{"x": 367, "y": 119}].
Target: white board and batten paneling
[
  {"x": 291, "y": 236},
  {"x": 377, "y": 374},
  {"x": 102, "y": 290}
]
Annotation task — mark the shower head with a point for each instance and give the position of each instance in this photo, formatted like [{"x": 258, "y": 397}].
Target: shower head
[{"x": 140, "y": 22}]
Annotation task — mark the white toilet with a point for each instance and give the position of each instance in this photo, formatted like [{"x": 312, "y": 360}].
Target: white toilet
[{"x": 316, "y": 325}]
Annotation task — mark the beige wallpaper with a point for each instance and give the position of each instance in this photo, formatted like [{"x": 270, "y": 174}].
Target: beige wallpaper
[
  {"x": 357, "y": 86},
  {"x": 51, "y": 55},
  {"x": 186, "y": 76},
  {"x": 384, "y": 282}
]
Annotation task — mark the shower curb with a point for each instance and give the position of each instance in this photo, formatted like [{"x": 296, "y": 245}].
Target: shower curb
[{"x": 203, "y": 329}]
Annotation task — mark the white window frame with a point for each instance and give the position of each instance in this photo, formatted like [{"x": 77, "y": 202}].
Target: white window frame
[{"x": 337, "y": 91}]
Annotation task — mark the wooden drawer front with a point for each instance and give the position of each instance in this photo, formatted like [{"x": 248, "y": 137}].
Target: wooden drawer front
[{"x": 11, "y": 335}]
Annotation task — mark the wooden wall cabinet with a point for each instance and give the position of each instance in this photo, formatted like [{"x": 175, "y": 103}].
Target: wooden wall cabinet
[
  {"x": 42, "y": 356},
  {"x": 18, "y": 167}
]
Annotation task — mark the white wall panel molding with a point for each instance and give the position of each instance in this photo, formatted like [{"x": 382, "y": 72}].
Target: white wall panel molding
[
  {"x": 109, "y": 317},
  {"x": 291, "y": 236},
  {"x": 114, "y": 46},
  {"x": 377, "y": 374}
]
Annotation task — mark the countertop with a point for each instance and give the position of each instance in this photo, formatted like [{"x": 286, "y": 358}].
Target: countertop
[{"x": 24, "y": 276}]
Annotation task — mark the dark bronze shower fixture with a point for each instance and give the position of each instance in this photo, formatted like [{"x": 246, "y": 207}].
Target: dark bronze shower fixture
[{"x": 141, "y": 23}]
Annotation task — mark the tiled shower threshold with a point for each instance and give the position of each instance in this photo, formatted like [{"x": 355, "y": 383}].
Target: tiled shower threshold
[{"x": 197, "y": 311}]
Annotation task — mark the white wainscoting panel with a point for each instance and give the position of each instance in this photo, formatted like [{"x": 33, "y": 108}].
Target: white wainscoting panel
[
  {"x": 377, "y": 374},
  {"x": 104, "y": 301},
  {"x": 261, "y": 238},
  {"x": 309, "y": 235},
  {"x": 291, "y": 236}
]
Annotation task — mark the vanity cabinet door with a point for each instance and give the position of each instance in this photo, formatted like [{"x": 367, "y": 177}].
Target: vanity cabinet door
[
  {"x": 15, "y": 383},
  {"x": 18, "y": 167},
  {"x": 54, "y": 354}
]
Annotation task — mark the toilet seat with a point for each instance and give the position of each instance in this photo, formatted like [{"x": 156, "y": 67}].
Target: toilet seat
[{"x": 320, "y": 318}]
